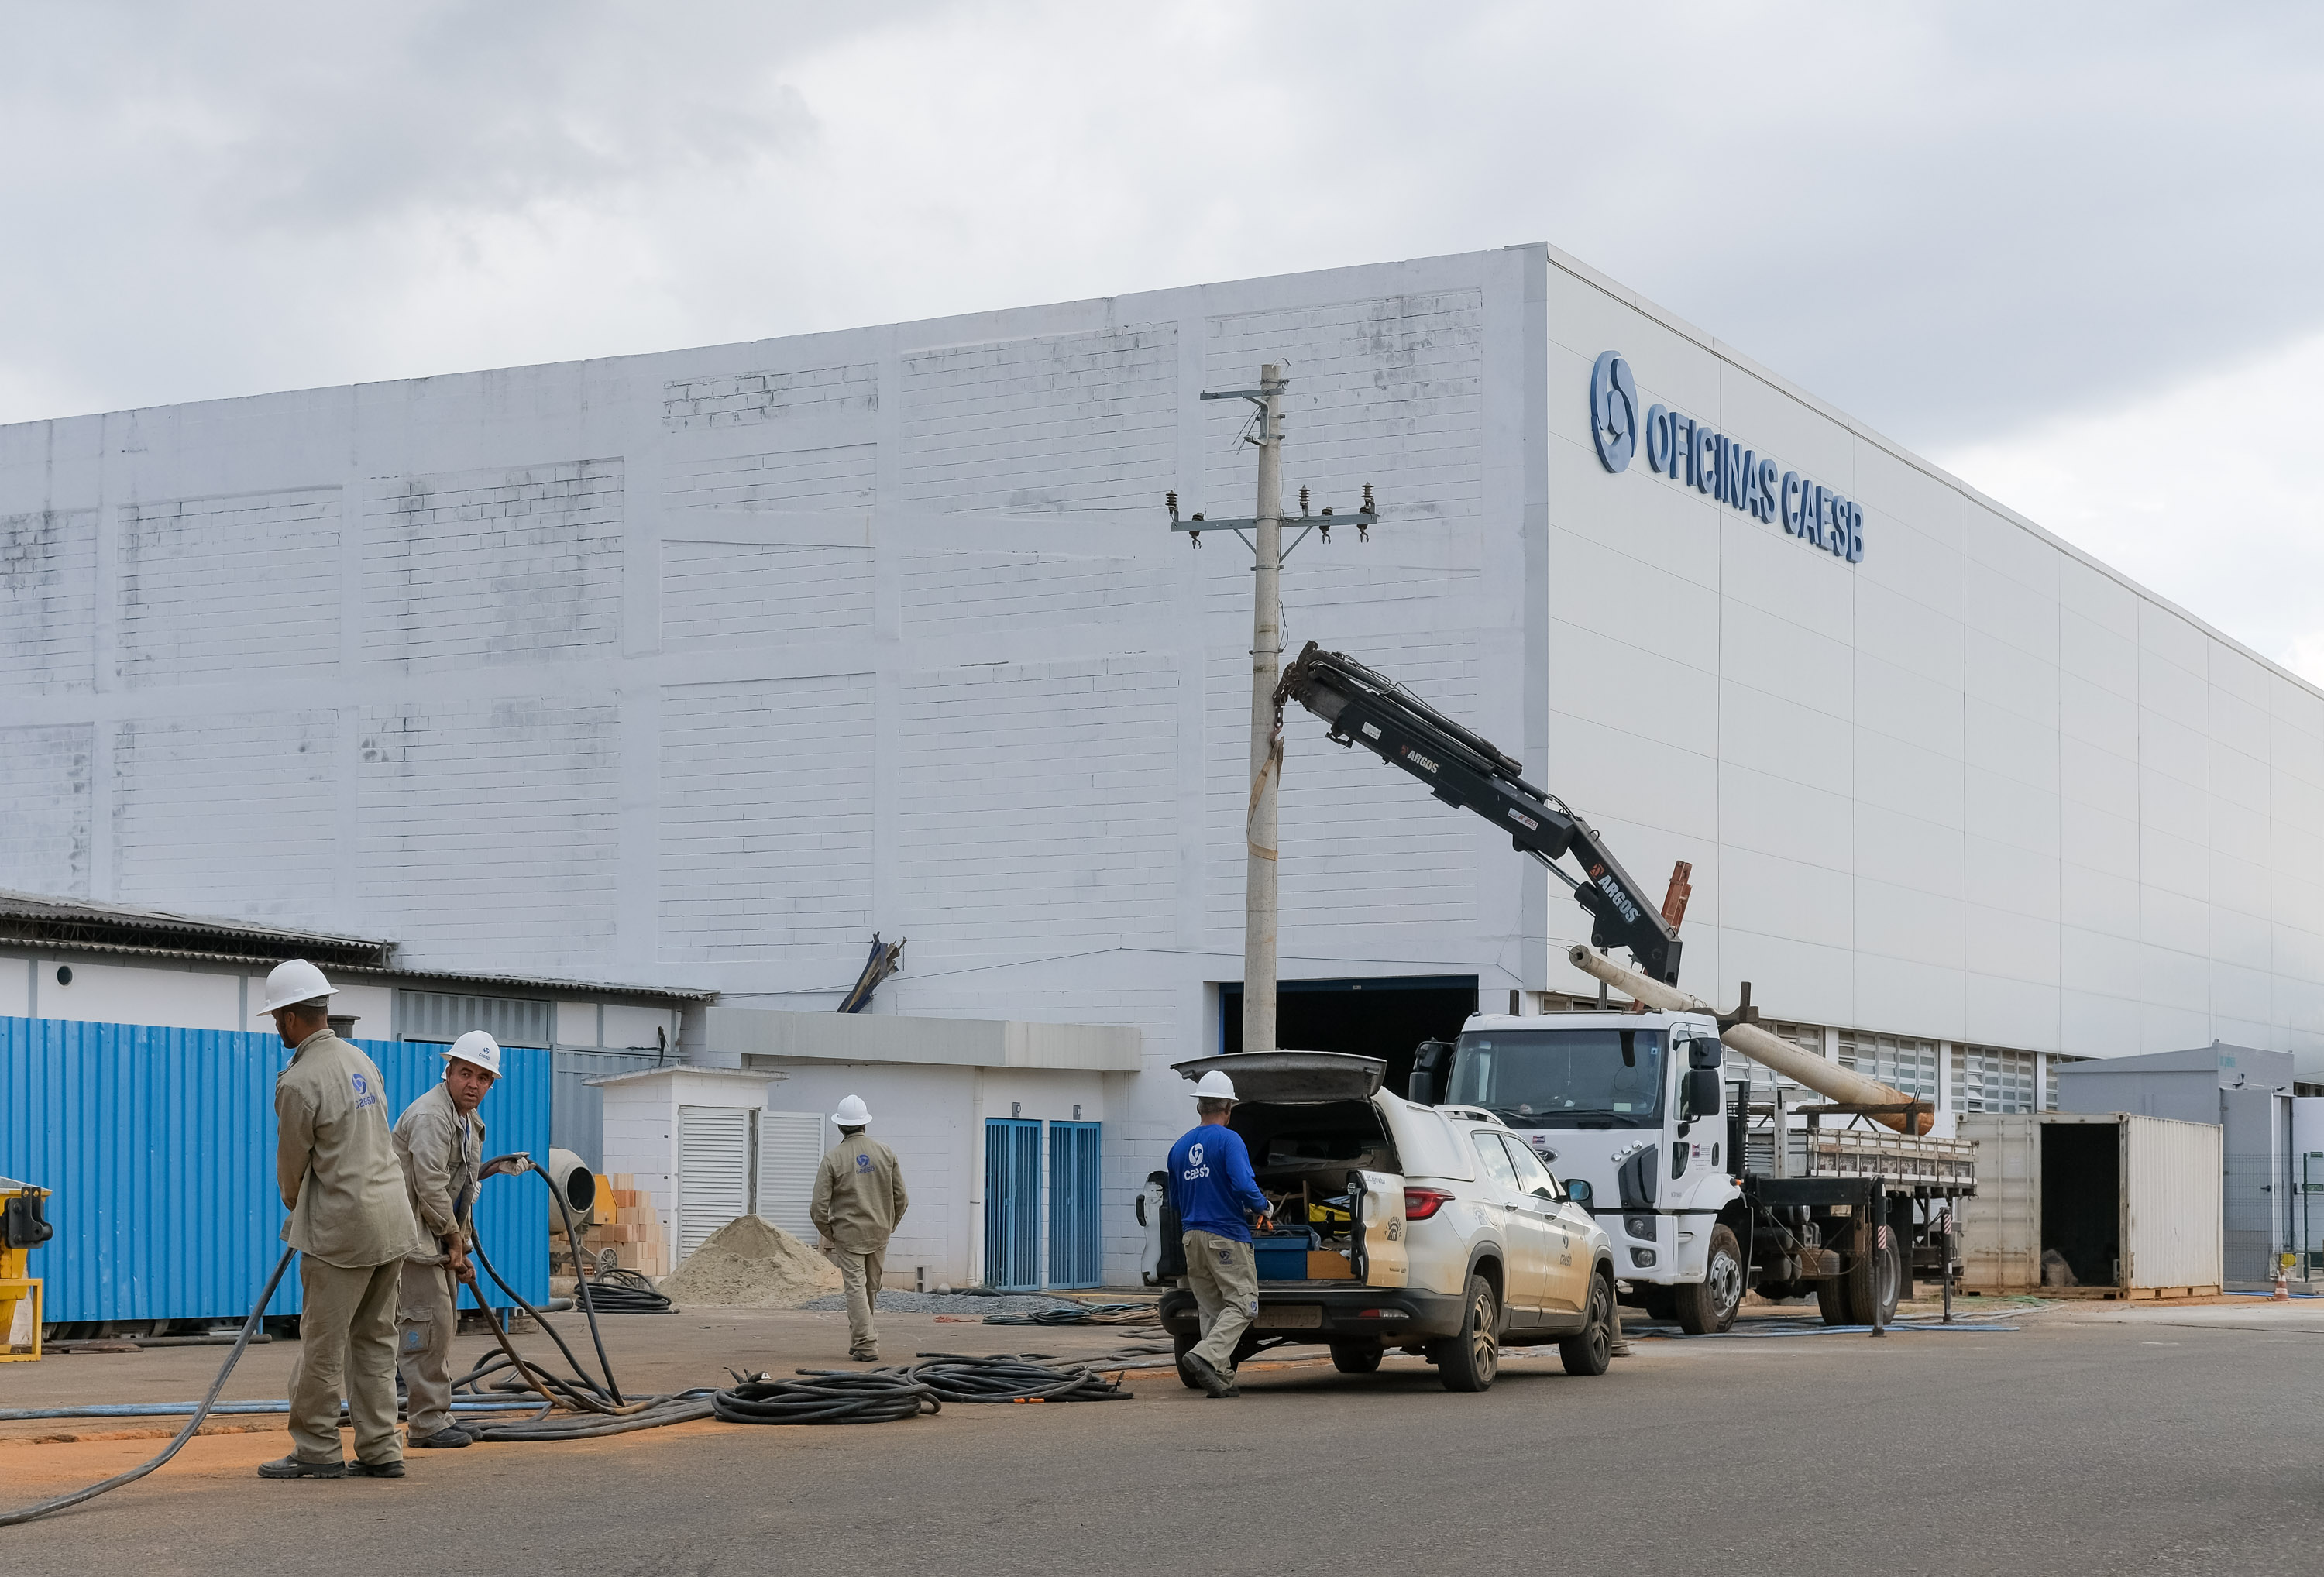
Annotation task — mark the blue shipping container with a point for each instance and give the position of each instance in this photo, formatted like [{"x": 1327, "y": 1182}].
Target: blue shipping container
[{"x": 158, "y": 1145}]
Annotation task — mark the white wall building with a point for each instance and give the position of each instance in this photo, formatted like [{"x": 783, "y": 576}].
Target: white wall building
[{"x": 696, "y": 668}]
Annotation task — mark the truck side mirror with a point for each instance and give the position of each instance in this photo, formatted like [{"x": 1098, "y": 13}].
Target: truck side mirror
[
  {"x": 1704, "y": 1096},
  {"x": 1705, "y": 1054},
  {"x": 1432, "y": 1063},
  {"x": 1578, "y": 1191}
]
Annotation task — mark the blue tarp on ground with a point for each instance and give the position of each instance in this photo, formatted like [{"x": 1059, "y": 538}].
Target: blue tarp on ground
[{"x": 157, "y": 1148}]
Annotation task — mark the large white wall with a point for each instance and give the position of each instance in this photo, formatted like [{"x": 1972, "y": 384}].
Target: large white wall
[
  {"x": 694, "y": 668},
  {"x": 1977, "y": 786}
]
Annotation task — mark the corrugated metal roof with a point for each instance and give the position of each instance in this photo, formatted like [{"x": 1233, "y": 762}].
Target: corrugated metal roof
[{"x": 30, "y": 921}]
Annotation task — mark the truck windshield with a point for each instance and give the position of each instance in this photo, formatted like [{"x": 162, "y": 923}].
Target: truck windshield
[{"x": 1562, "y": 1078}]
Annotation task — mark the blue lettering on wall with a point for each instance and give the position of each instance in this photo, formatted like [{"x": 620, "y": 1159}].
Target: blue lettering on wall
[{"x": 1701, "y": 456}]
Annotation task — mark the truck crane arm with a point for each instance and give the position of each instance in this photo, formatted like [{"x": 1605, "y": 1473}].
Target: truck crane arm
[{"x": 1361, "y": 706}]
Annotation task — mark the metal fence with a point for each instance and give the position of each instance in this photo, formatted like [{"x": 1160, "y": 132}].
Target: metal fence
[{"x": 159, "y": 1147}]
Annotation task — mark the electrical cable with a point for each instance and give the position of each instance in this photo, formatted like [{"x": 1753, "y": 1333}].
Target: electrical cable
[
  {"x": 1020, "y": 1377},
  {"x": 242, "y": 1345},
  {"x": 625, "y": 1292},
  {"x": 828, "y": 1396}
]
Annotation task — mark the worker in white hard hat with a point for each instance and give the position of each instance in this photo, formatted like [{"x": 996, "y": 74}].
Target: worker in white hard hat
[
  {"x": 1217, "y": 1198},
  {"x": 440, "y": 1141},
  {"x": 859, "y": 1198},
  {"x": 335, "y": 1164}
]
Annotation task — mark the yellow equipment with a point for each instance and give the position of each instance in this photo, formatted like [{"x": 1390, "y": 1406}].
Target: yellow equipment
[{"x": 23, "y": 1227}]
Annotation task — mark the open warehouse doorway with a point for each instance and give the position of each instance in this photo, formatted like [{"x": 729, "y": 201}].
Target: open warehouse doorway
[{"x": 1384, "y": 1017}]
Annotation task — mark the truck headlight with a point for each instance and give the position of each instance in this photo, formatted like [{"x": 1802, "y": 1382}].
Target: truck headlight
[
  {"x": 1643, "y": 1259},
  {"x": 1639, "y": 1226}
]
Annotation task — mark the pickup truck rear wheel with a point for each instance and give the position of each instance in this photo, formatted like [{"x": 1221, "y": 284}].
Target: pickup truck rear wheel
[
  {"x": 1469, "y": 1362},
  {"x": 1355, "y": 1357},
  {"x": 1592, "y": 1351},
  {"x": 1709, "y": 1305}
]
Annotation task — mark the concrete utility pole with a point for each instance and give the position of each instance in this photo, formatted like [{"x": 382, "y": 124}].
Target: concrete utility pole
[
  {"x": 1265, "y": 542},
  {"x": 1265, "y": 726}
]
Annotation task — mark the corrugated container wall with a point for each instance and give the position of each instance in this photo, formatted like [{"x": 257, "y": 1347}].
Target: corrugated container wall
[
  {"x": 2166, "y": 1207},
  {"x": 158, "y": 1148}
]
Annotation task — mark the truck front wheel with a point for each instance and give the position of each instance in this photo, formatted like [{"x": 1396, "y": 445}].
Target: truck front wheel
[
  {"x": 1709, "y": 1305},
  {"x": 1469, "y": 1362}
]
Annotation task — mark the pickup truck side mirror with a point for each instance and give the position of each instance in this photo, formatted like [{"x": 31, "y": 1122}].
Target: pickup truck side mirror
[{"x": 1578, "y": 1191}]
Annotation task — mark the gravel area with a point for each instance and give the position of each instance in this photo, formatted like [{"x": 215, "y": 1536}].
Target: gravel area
[{"x": 936, "y": 1303}]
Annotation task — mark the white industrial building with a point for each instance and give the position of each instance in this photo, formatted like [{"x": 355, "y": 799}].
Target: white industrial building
[{"x": 691, "y": 670}]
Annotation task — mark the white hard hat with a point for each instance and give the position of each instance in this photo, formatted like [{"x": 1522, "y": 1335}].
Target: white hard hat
[
  {"x": 1214, "y": 1085},
  {"x": 478, "y": 1047},
  {"x": 292, "y": 981},
  {"x": 852, "y": 1113}
]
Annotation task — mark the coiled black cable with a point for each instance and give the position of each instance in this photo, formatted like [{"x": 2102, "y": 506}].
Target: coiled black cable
[
  {"x": 1011, "y": 1378},
  {"x": 623, "y": 1292},
  {"x": 876, "y": 1395}
]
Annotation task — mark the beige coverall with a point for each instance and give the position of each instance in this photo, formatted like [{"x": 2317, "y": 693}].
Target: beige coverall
[
  {"x": 441, "y": 1152},
  {"x": 859, "y": 1198},
  {"x": 335, "y": 1164}
]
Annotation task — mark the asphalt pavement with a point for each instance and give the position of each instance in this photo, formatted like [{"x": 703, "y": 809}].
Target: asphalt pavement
[{"x": 2090, "y": 1439}]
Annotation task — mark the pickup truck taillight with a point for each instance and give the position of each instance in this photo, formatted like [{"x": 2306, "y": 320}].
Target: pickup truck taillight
[{"x": 1420, "y": 1204}]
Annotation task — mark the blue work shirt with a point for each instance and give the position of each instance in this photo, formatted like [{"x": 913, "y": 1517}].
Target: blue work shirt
[{"x": 1211, "y": 1185}]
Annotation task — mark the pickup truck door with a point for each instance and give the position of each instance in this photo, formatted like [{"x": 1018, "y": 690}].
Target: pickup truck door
[
  {"x": 1525, "y": 1239},
  {"x": 1542, "y": 1208},
  {"x": 1375, "y": 1210}
]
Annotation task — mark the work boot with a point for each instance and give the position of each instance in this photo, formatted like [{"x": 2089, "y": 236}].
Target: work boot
[
  {"x": 362, "y": 1469},
  {"x": 864, "y": 1355},
  {"x": 448, "y": 1438},
  {"x": 291, "y": 1467},
  {"x": 1213, "y": 1382}
]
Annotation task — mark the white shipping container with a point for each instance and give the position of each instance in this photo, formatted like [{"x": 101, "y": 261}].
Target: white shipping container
[{"x": 2133, "y": 1202}]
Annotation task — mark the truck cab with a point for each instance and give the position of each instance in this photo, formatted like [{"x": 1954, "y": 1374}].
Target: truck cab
[{"x": 1633, "y": 1104}]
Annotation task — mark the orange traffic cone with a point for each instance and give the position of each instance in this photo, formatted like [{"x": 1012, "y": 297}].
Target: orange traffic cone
[{"x": 2283, "y": 1293}]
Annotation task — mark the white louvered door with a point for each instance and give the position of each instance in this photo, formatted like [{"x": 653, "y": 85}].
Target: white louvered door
[
  {"x": 790, "y": 1148},
  {"x": 714, "y": 1172}
]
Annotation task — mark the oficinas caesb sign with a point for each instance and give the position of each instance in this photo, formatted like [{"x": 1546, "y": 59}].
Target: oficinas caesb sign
[{"x": 1699, "y": 455}]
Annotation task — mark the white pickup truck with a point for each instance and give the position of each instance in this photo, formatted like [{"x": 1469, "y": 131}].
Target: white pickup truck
[{"x": 1435, "y": 1230}]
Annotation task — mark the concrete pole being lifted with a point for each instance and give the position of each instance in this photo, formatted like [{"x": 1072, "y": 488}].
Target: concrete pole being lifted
[
  {"x": 1266, "y": 727},
  {"x": 1763, "y": 1046}
]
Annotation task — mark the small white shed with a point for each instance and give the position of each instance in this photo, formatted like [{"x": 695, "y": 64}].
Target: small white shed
[{"x": 705, "y": 1149}]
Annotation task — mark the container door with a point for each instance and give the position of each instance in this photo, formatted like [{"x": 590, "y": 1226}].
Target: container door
[
  {"x": 1012, "y": 1205},
  {"x": 1377, "y": 1204},
  {"x": 1075, "y": 1186},
  {"x": 714, "y": 1172}
]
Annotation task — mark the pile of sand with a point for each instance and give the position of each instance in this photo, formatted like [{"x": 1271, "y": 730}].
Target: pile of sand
[{"x": 748, "y": 1263}]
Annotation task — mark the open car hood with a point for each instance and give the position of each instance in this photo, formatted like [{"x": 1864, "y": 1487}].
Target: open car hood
[{"x": 1292, "y": 1078}]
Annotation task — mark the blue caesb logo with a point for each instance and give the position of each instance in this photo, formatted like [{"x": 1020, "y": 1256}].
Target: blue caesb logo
[
  {"x": 1614, "y": 410},
  {"x": 863, "y": 1162}
]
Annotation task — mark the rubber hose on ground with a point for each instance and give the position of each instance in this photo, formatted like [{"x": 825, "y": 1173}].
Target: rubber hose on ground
[{"x": 878, "y": 1396}]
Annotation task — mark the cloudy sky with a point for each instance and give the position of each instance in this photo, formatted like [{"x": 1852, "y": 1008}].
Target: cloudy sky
[{"x": 2071, "y": 250}]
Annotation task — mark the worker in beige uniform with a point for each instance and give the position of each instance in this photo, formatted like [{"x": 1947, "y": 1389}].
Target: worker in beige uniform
[
  {"x": 859, "y": 1198},
  {"x": 335, "y": 1164},
  {"x": 440, "y": 1141}
]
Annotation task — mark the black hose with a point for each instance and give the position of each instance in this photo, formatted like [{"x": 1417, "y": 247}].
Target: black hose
[
  {"x": 875, "y": 1396},
  {"x": 249, "y": 1328},
  {"x": 1011, "y": 1378}
]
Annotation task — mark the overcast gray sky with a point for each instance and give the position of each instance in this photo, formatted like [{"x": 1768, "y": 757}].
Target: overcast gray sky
[{"x": 2069, "y": 250}]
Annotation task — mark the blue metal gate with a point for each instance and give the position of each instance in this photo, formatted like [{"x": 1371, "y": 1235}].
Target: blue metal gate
[
  {"x": 1012, "y": 1203},
  {"x": 159, "y": 1144},
  {"x": 1076, "y": 1251}
]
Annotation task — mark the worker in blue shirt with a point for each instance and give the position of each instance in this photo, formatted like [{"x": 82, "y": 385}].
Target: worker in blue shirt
[{"x": 1216, "y": 1194}]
